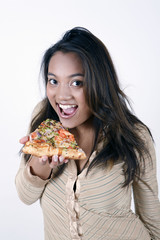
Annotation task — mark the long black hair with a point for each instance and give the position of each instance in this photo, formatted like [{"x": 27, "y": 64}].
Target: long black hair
[{"x": 113, "y": 119}]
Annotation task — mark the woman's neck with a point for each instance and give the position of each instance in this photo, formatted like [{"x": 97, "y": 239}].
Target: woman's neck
[
  {"x": 85, "y": 137},
  {"x": 84, "y": 132}
]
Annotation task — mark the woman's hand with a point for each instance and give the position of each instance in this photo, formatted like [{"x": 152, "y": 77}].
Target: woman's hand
[{"x": 43, "y": 166}]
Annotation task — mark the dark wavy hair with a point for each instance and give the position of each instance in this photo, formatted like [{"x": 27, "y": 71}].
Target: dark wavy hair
[{"x": 113, "y": 119}]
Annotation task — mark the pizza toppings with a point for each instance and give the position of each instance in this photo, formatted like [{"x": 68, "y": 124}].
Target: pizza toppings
[
  {"x": 53, "y": 132},
  {"x": 51, "y": 138}
]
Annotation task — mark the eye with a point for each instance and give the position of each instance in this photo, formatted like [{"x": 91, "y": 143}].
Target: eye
[
  {"x": 77, "y": 83},
  {"x": 52, "y": 81}
]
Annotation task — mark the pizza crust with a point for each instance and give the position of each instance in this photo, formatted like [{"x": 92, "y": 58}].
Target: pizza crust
[{"x": 45, "y": 149}]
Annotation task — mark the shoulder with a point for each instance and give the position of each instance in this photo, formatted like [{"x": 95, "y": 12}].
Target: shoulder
[
  {"x": 149, "y": 153},
  {"x": 144, "y": 133}
]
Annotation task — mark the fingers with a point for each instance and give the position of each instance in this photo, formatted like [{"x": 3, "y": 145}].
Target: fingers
[
  {"x": 43, "y": 160},
  {"x": 54, "y": 161},
  {"x": 57, "y": 160},
  {"x": 23, "y": 140}
]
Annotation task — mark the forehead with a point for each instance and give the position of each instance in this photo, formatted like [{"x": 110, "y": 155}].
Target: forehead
[{"x": 65, "y": 62}]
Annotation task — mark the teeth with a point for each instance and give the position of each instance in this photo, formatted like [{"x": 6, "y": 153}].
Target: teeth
[{"x": 66, "y": 106}]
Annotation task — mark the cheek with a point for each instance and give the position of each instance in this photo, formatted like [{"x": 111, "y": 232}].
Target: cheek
[
  {"x": 50, "y": 93},
  {"x": 84, "y": 108},
  {"x": 82, "y": 102},
  {"x": 80, "y": 97},
  {"x": 51, "y": 97}
]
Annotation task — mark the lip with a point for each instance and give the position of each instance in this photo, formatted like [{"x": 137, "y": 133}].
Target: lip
[{"x": 61, "y": 115}]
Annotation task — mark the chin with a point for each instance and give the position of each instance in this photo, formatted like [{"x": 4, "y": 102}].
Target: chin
[
  {"x": 75, "y": 121},
  {"x": 67, "y": 123}
]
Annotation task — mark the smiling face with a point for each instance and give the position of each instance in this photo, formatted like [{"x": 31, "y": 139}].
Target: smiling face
[{"x": 65, "y": 89}]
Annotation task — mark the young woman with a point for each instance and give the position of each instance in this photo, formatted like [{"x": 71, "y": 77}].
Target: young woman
[{"x": 91, "y": 198}]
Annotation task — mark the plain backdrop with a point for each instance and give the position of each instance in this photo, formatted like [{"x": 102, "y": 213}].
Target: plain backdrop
[{"x": 131, "y": 31}]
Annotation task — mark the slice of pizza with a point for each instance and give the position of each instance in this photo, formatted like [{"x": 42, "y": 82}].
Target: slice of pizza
[{"x": 51, "y": 138}]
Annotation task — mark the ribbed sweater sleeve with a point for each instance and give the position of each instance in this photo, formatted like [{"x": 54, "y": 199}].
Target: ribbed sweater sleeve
[
  {"x": 145, "y": 189},
  {"x": 29, "y": 187}
]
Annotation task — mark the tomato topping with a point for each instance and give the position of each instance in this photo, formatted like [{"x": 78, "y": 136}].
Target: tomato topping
[
  {"x": 33, "y": 135},
  {"x": 62, "y": 133},
  {"x": 70, "y": 147},
  {"x": 58, "y": 138},
  {"x": 71, "y": 138}
]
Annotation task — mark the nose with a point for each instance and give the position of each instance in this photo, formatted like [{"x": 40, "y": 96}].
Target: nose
[{"x": 63, "y": 93}]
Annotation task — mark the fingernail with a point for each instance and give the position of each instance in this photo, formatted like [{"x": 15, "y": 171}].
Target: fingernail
[
  {"x": 61, "y": 158},
  {"x": 55, "y": 158},
  {"x": 44, "y": 159}
]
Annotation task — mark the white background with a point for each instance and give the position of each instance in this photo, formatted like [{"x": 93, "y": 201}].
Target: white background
[{"x": 131, "y": 31}]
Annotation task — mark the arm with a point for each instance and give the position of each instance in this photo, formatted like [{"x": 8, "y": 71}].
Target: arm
[
  {"x": 33, "y": 176},
  {"x": 145, "y": 190},
  {"x": 29, "y": 186}
]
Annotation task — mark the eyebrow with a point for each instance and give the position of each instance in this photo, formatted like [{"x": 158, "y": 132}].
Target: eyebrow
[{"x": 70, "y": 76}]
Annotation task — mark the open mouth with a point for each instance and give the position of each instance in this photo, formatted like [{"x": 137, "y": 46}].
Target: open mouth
[{"x": 67, "y": 111}]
